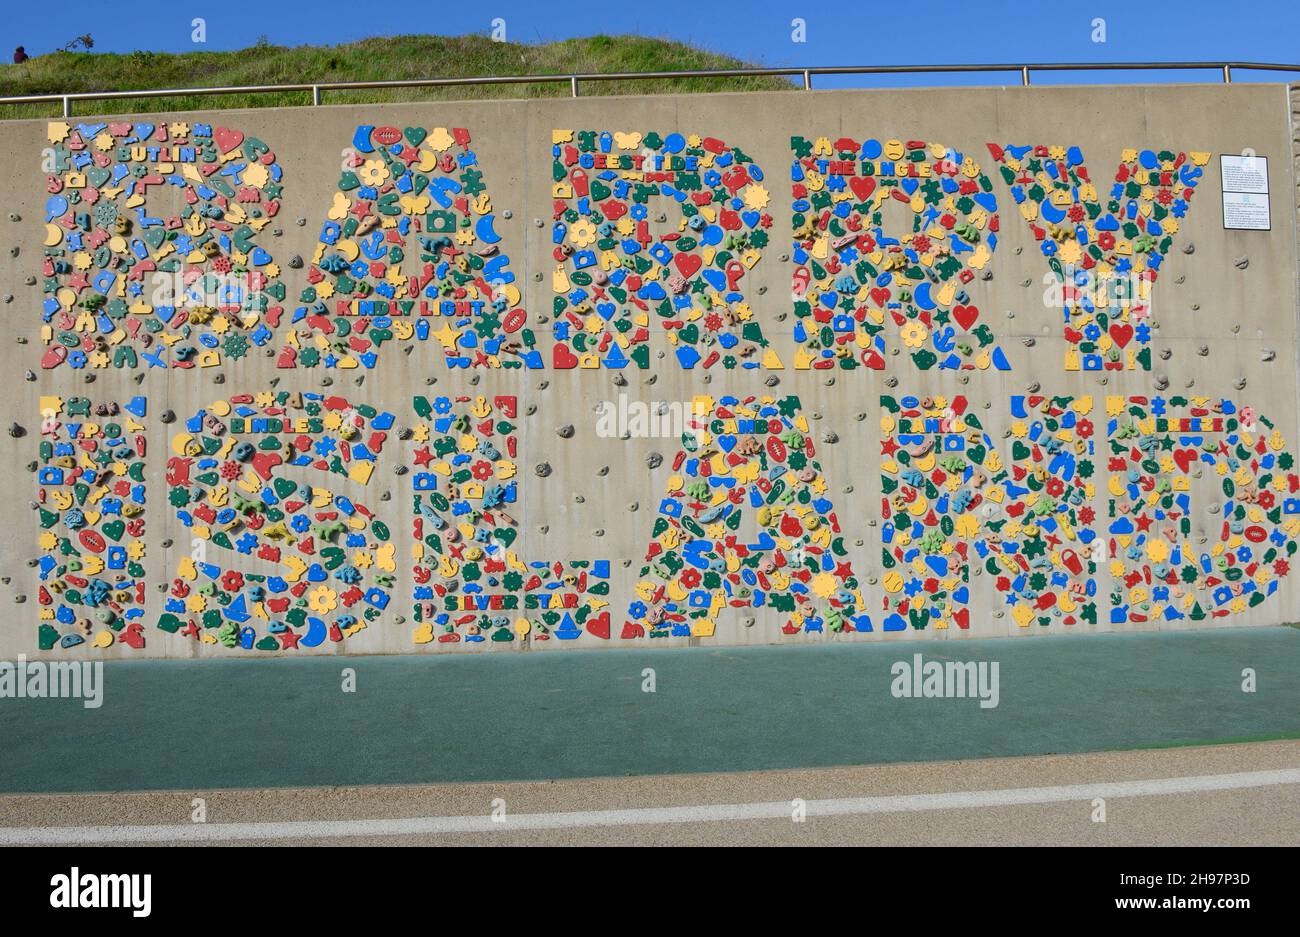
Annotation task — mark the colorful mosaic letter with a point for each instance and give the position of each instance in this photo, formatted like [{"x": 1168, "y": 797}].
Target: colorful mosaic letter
[
  {"x": 1105, "y": 254},
  {"x": 947, "y": 493},
  {"x": 754, "y": 452},
  {"x": 852, "y": 278},
  {"x": 420, "y": 192},
  {"x": 333, "y": 557},
  {"x": 1158, "y": 447},
  {"x": 91, "y": 498},
  {"x": 622, "y": 254},
  {"x": 468, "y": 580},
  {"x": 183, "y": 289}
]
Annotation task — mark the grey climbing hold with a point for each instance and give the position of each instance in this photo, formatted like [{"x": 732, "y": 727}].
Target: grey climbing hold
[
  {"x": 542, "y": 469},
  {"x": 654, "y": 460},
  {"x": 565, "y": 431}
]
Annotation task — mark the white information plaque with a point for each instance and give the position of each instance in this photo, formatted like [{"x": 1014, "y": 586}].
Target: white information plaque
[{"x": 1245, "y": 193}]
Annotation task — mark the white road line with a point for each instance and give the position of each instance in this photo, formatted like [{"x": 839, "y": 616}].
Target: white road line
[{"x": 704, "y": 813}]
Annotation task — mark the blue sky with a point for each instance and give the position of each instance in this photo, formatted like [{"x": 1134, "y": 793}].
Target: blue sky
[{"x": 928, "y": 31}]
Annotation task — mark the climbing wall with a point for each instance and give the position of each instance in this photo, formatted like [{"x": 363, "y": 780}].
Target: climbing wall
[{"x": 705, "y": 370}]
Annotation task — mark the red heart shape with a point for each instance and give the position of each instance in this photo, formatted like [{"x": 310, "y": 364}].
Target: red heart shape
[
  {"x": 227, "y": 139},
  {"x": 1121, "y": 333},
  {"x": 599, "y": 626},
  {"x": 862, "y": 186},
  {"x": 965, "y": 316},
  {"x": 880, "y": 295},
  {"x": 563, "y": 358},
  {"x": 688, "y": 264}
]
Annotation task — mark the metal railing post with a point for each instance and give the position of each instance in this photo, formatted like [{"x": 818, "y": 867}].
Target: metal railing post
[
  {"x": 573, "y": 85},
  {"x": 1227, "y": 74},
  {"x": 315, "y": 95},
  {"x": 807, "y": 80},
  {"x": 67, "y": 106},
  {"x": 1024, "y": 75}
]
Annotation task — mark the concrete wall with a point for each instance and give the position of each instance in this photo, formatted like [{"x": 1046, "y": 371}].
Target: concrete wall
[{"x": 1233, "y": 292}]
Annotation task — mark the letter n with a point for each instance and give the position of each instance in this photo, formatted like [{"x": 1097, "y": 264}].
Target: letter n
[{"x": 951, "y": 500}]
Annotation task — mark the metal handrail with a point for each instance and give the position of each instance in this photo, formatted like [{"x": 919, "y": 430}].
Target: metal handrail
[{"x": 317, "y": 89}]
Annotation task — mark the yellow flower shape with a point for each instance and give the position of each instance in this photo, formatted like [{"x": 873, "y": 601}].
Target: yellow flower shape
[
  {"x": 322, "y": 599},
  {"x": 914, "y": 334},
  {"x": 374, "y": 173},
  {"x": 582, "y": 232}
]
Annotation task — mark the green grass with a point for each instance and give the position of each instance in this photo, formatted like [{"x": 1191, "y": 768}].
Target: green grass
[{"x": 394, "y": 57}]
